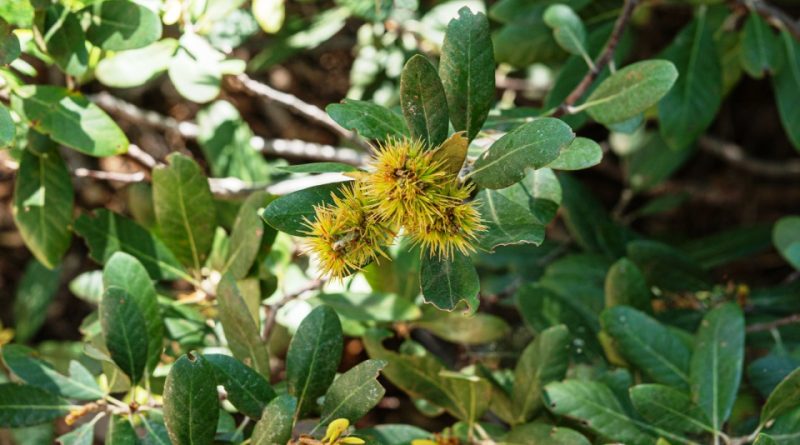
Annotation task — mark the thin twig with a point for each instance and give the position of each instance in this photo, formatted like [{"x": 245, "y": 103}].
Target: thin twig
[
  {"x": 142, "y": 156},
  {"x": 735, "y": 155},
  {"x": 768, "y": 326},
  {"x": 272, "y": 310},
  {"x": 601, "y": 61},
  {"x": 109, "y": 176}
]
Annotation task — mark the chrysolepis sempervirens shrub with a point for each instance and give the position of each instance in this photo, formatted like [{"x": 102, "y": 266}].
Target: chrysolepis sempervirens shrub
[{"x": 205, "y": 325}]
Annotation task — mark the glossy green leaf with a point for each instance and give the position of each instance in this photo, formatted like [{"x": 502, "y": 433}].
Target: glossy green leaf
[
  {"x": 69, "y": 119},
  {"x": 241, "y": 327},
  {"x": 537, "y": 433},
  {"x": 23, "y": 405},
  {"x": 313, "y": 357},
  {"x": 184, "y": 209},
  {"x": 370, "y": 120},
  {"x": 392, "y": 434},
  {"x": 126, "y": 272},
  {"x": 191, "y": 407},
  {"x": 64, "y": 39},
  {"x": 43, "y": 199},
  {"x": 276, "y": 423},
  {"x": 108, "y": 232},
  {"x": 246, "y": 235},
  {"x": 631, "y": 91},
  {"x": 531, "y": 145},
  {"x": 290, "y": 212},
  {"x": 119, "y": 25},
  {"x": 581, "y": 153},
  {"x": 786, "y": 86},
  {"x": 786, "y": 237},
  {"x": 7, "y": 127},
  {"x": 670, "y": 409},
  {"x": 647, "y": 344},
  {"x": 247, "y": 390},
  {"x": 760, "y": 47},
  {"x": 507, "y": 221},
  {"x": 568, "y": 28},
  {"x": 151, "y": 61},
  {"x": 354, "y": 393},
  {"x": 689, "y": 108},
  {"x": 625, "y": 285},
  {"x": 423, "y": 101},
  {"x": 22, "y": 361},
  {"x": 716, "y": 365},
  {"x": 784, "y": 397},
  {"x": 543, "y": 361},
  {"x": 35, "y": 292},
  {"x": 466, "y": 68},
  {"x": 125, "y": 332},
  {"x": 445, "y": 283}
]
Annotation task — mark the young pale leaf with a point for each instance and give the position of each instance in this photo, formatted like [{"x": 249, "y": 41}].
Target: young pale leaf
[
  {"x": 23, "y": 405},
  {"x": 269, "y": 14},
  {"x": 786, "y": 237},
  {"x": 241, "y": 327},
  {"x": 760, "y": 47},
  {"x": 245, "y": 241},
  {"x": 289, "y": 213},
  {"x": 786, "y": 85},
  {"x": 466, "y": 68},
  {"x": 452, "y": 153},
  {"x": 631, "y": 91},
  {"x": 64, "y": 39},
  {"x": 581, "y": 153},
  {"x": 69, "y": 119},
  {"x": 716, "y": 366},
  {"x": 445, "y": 283},
  {"x": 184, "y": 209},
  {"x": 596, "y": 407},
  {"x": 649, "y": 345},
  {"x": 543, "y": 361},
  {"x": 34, "y": 294},
  {"x": 22, "y": 362},
  {"x": 125, "y": 332},
  {"x": 43, "y": 199},
  {"x": 567, "y": 28},
  {"x": 423, "y": 101},
  {"x": 354, "y": 393},
  {"x": 507, "y": 221},
  {"x": 313, "y": 356},
  {"x": 539, "y": 433},
  {"x": 108, "y": 232},
  {"x": 118, "y": 25},
  {"x": 7, "y": 129},
  {"x": 689, "y": 108},
  {"x": 275, "y": 426},
  {"x": 667, "y": 408},
  {"x": 247, "y": 390},
  {"x": 784, "y": 397},
  {"x": 370, "y": 120},
  {"x": 126, "y": 272},
  {"x": 191, "y": 407},
  {"x": 150, "y": 62},
  {"x": 625, "y": 285},
  {"x": 534, "y": 144}
]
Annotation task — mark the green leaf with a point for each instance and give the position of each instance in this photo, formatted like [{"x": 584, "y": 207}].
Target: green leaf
[
  {"x": 150, "y": 62},
  {"x": 88, "y": 286},
  {"x": 126, "y": 272},
  {"x": 370, "y": 120},
  {"x": 82, "y": 435},
  {"x": 108, "y": 232},
  {"x": 466, "y": 68},
  {"x": 765, "y": 439},
  {"x": 21, "y": 361},
  {"x": 9, "y": 46},
  {"x": 596, "y": 407},
  {"x": 290, "y": 212},
  {"x": 319, "y": 167},
  {"x": 581, "y": 153},
  {"x": 7, "y": 127},
  {"x": 125, "y": 332},
  {"x": 354, "y": 393},
  {"x": 716, "y": 366},
  {"x": 760, "y": 47},
  {"x": 626, "y": 285},
  {"x": 313, "y": 357},
  {"x": 35, "y": 292},
  {"x": 247, "y": 390},
  {"x": 246, "y": 235},
  {"x": 653, "y": 162},
  {"x": 241, "y": 327},
  {"x": 588, "y": 222},
  {"x": 507, "y": 222},
  {"x": 69, "y": 119},
  {"x": 670, "y": 409},
  {"x": 567, "y": 27},
  {"x": 666, "y": 267},
  {"x": 196, "y": 69},
  {"x": 648, "y": 345},
  {"x": 539, "y": 191},
  {"x": 423, "y": 101},
  {"x": 534, "y": 144},
  {"x": 121, "y": 432},
  {"x": 22, "y": 405},
  {"x": 689, "y": 108},
  {"x": 277, "y": 422},
  {"x": 184, "y": 209},
  {"x": 64, "y": 38},
  {"x": 543, "y": 361},
  {"x": 43, "y": 199},
  {"x": 445, "y": 283},
  {"x": 538, "y": 433},
  {"x": 784, "y": 397},
  {"x": 372, "y": 306},
  {"x": 118, "y": 25},
  {"x": 631, "y": 91},
  {"x": 191, "y": 407},
  {"x": 786, "y": 237},
  {"x": 786, "y": 86},
  {"x": 466, "y": 329}
]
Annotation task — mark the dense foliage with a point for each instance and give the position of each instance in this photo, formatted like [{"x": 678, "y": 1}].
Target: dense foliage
[{"x": 421, "y": 263}]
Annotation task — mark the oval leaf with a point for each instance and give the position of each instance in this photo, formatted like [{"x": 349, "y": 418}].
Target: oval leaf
[
  {"x": 118, "y": 25},
  {"x": 445, "y": 283},
  {"x": 370, "y": 120},
  {"x": 423, "y": 101},
  {"x": 354, "y": 393},
  {"x": 125, "y": 332},
  {"x": 191, "y": 408}
]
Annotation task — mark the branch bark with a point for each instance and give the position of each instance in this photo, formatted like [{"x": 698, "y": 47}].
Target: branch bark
[
  {"x": 760, "y": 327},
  {"x": 736, "y": 156}
]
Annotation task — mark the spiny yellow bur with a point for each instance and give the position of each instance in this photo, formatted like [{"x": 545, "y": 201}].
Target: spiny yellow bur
[{"x": 347, "y": 236}]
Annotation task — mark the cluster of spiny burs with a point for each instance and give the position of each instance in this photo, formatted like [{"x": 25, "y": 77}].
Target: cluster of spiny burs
[{"x": 407, "y": 189}]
